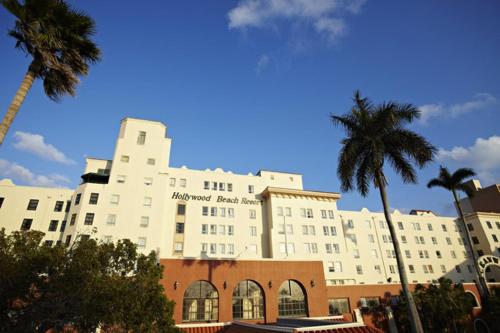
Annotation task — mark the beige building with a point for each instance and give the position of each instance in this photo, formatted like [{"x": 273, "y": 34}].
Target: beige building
[{"x": 214, "y": 214}]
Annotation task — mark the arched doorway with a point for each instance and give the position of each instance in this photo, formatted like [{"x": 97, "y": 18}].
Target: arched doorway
[
  {"x": 472, "y": 298},
  {"x": 248, "y": 301},
  {"x": 200, "y": 303},
  {"x": 292, "y": 300}
]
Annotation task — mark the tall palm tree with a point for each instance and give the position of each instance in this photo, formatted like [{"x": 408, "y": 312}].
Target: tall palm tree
[
  {"x": 455, "y": 183},
  {"x": 58, "y": 40},
  {"x": 376, "y": 134}
]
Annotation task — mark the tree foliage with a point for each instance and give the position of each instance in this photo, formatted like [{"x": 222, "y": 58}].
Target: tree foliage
[
  {"x": 443, "y": 307},
  {"x": 85, "y": 286},
  {"x": 58, "y": 39}
]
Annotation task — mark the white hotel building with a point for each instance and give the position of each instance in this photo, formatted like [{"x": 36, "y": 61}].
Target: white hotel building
[{"x": 231, "y": 223}]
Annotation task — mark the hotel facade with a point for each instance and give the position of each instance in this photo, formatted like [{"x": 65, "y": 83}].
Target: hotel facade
[{"x": 247, "y": 247}]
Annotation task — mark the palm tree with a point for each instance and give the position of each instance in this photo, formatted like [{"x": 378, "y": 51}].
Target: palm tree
[
  {"x": 455, "y": 183},
  {"x": 376, "y": 134},
  {"x": 58, "y": 40}
]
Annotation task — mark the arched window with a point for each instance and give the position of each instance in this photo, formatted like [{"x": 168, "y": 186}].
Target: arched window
[
  {"x": 472, "y": 298},
  {"x": 292, "y": 300},
  {"x": 248, "y": 301},
  {"x": 201, "y": 302}
]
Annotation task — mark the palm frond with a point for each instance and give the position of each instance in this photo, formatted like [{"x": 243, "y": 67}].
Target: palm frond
[
  {"x": 460, "y": 175},
  {"x": 436, "y": 182}
]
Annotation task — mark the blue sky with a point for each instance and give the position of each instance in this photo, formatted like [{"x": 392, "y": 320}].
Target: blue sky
[{"x": 249, "y": 85}]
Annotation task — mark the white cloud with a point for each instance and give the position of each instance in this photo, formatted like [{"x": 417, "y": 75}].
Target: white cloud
[
  {"x": 35, "y": 144},
  {"x": 262, "y": 63},
  {"x": 19, "y": 173},
  {"x": 483, "y": 157},
  {"x": 481, "y": 101},
  {"x": 320, "y": 13}
]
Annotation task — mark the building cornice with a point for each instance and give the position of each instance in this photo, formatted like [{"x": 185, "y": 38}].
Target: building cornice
[{"x": 294, "y": 193}]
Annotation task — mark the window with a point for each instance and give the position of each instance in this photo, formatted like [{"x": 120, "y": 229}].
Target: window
[
  {"x": 448, "y": 240},
  {"x": 48, "y": 243},
  {"x": 181, "y": 209},
  {"x": 403, "y": 239},
  {"x": 356, "y": 253},
  {"x": 213, "y": 229},
  {"x": 475, "y": 240},
  {"x": 407, "y": 253},
  {"x": 204, "y": 247},
  {"x": 328, "y": 248},
  {"x": 222, "y": 187},
  {"x": 444, "y": 227},
  {"x": 495, "y": 238},
  {"x": 291, "y": 300},
  {"x": 288, "y": 211},
  {"x": 458, "y": 269},
  {"x": 438, "y": 254},
  {"x": 144, "y": 221},
  {"x": 252, "y": 213},
  {"x": 305, "y": 230},
  {"x": 371, "y": 239},
  {"x": 148, "y": 181},
  {"x": 68, "y": 240},
  {"x": 353, "y": 238},
  {"x": 89, "y": 219},
  {"x": 53, "y": 225},
  {"x": 172, "y": 182},
  {"x": 488, "y": 223},
  {"x": 421, "y": 254},
  {"x": 323, "y": 214},
  {"x": 333, "y": 231},
  {"x": 26, "y": 225},
  {"x": 206, "y": 185},
  {"x": 250, "y": 189},
  {"x": 182, "y": 182},
  {"x": 336, "y": 248},
  {"x": 204, "y": 229},
  {"x": 229, "y": 187},
  {"x": 222, "y": 229},
  {"x": 392, "y": 269},
  {"x": 230, "y": 230},
  {"x": 213, "y": 248},
  {"x": 326, "y": 231},
  {"x": 125, "y": 158},
  {"x": 496, "y": 223},
  {"x": 248, "y": 301},
  {"x": 338, "y": 306},
  {"x": 200, "y": 303},
  {"x": 400, "y": 226},
  {"x": 253, "y": 231},
  {"x": 222, "y": 248},
  {"x": 150, "y": 161},
  {"x": 377, "y": 269},
  {"x": 141, "y": 242},
  {"x": 213, "y": 211},
  {"x": 179, "y": 228},
  {"x": 121, "y": 179},
  {"x": 147, "y": 201},
  {"x": 480, "y": 253},
  {"x": 429, "y": 226},
  {"x": 204, "y": 211},
  {"x": 230, "y": 212},
  {"x": 359, "y": 269},
  {"x": 453, "y": 254},
  {"x": 141, "y": 138},
  {"x": 374, "y": 253},
  {"x": 94, "y": 197},
  {"x": 68, "y": 206},
  {"x": 350, "y": 224},
  {"x": 111, "y": 220},
  {"x": 443, "y": 269},
  {"x": 434, "y": 240},
  {"x": 330, "y": 214},
  {"x": 63, "y": 226},
  {"x": 230, "y": 248},
  {"x": 417, "y": 240},
  {"x": 115, "y": 199},
  {"x": 280, "y": 211},
  {"x": 422, "y": 241},
  {"x": 57, "y": 208},
  {"x": 32, "y": 204},
  {"x": 309, "y": 213},
  {"x": 1, "y": 202},
  {"x": 73, "y": 219}
]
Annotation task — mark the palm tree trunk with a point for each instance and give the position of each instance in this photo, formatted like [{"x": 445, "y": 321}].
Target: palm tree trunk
[
  {"x": 16, "y": 103},
  {"x": 480, "y": 281},
  {"x": 416, "y": 325}
]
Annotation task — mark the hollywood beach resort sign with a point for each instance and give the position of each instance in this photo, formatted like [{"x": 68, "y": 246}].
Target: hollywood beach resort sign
[{"x": 219, "y": 198}]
